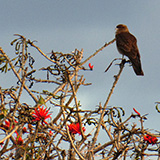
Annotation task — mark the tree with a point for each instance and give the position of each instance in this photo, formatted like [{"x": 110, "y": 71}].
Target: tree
[{"x": 30, "y": 131}]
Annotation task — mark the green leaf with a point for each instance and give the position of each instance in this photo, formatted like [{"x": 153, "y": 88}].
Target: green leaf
[
  {"x": 42, "y": 101},
  {"x": 5, "y": 111}
]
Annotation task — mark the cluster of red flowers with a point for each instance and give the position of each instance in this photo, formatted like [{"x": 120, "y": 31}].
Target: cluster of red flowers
[
  {"x": 18, "y": 139},
  {"x": 75, "y": 128},
  {"x": 41, "y": 114},
  {"x": 150, "y": 139},
  {"x": 7, "y": 124}
]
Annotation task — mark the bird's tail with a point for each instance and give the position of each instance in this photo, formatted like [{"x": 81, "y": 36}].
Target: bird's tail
[{"x": 136, "y": 64}]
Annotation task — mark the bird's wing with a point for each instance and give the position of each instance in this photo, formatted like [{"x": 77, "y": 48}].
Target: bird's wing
[
  {"x": 127, "y": 44},
  {"x": 135, "y": 51}
]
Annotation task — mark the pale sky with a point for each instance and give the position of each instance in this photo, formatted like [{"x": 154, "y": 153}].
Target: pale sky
[{"x": 88, "y": 24}]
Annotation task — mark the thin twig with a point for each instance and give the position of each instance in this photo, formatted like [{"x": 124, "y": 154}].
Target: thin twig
[
  {"x": 17, "y": 75},
  {"x": 77, "y": 107},
  {"x": 106, "y": 103},
  {"x": 10, "y": 134},
  {"x": 70, "y": 138},
  {"x": 105, "y": 45},
  {"x": 33, "y": 45},
  {"x": 113, "y": 141}
]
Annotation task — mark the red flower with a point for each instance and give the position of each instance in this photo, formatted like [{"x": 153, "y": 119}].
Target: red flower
[
  {"x": 41, "y": 114},
  {"x": 136, "y": 111},
  {"x": 90, "y": 66},
  {"x": 19, "y": 139},
  {"x": 150, "y": 139},
  {"x": 50, "y": 133},
  {"x": 75, "y": 128},
  {"x": 24, "y": 130},
  {"x": 7, "y": 124}
]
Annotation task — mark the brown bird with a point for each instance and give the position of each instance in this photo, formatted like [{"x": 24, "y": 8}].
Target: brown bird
[{"x": 127, "y": 45}]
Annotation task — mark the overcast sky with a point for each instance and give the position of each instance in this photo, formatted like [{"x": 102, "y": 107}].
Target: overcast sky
[{"x": 88, "y": 24}]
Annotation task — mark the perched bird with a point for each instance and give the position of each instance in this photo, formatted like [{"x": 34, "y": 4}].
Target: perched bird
[{"x": 127, "y": 45}]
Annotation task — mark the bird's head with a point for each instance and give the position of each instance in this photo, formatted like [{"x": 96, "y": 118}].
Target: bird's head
[{"x": 121, "y": 28}]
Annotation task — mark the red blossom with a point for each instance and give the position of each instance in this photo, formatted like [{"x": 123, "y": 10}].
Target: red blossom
[
  {"x": 24, "y": 130},
  {"x": 75, "y": 128},
  {"x": 136, "y": 111},
  {"x": 90, "y": 66},
  {"x": 19, "y": 139},
  {"x": 150, "y": 139},
  {"x": 41, "y": 114},
  {"x": 7, "y": 124},
  {"x": 50, "y": 133}
]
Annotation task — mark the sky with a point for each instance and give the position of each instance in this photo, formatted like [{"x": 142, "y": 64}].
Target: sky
[{"x": 65, "y": 25}]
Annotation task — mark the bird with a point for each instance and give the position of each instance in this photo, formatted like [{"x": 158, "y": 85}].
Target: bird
[{"x": 127, "y": 45}]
